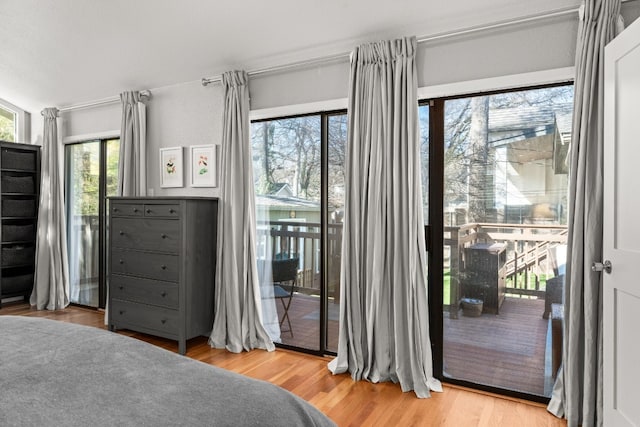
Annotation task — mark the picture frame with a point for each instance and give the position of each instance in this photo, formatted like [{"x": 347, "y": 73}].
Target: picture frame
[
  {"x": 171, "y": 167},
  {"x": 204, "y": 172}
]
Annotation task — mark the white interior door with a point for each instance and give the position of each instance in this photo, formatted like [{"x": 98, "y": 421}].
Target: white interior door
[{"x": 621, "y": 288}]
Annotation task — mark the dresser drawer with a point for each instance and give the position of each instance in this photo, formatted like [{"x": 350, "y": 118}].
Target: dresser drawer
[
  {"x": 153, "y": 292},
  {"x": 162, "y": 210},
  {"x": 128, "y": 314},
  {"x": 152, "y": 234},
  {"x": 127, "y": 209},
  {"x": 145, "y": 264}
]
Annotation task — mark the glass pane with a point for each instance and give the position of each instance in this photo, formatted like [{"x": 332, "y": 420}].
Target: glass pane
[
  {"x": 113, "y": 154},
  {"x": 286, "y": 163},
  {"x": 337, "y": 139},
  {"x": 505, "y": 230},
  {"x": 7, "y": 125},
  {"x": 83, "y": 180},
  {"x": 423, "y": 114}
]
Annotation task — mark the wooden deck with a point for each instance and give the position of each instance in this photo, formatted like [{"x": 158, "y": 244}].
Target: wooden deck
[{"x": 509, "y": 350}]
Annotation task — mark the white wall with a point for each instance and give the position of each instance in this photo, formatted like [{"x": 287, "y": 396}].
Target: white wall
[
  {"x": 190, "y": 114},
  {"x": 180, "y": 115},
  {"x": 512, "y": 50}
]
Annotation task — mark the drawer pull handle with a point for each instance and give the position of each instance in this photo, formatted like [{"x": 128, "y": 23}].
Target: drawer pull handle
[
  {"x": 121, "y": 287},
  {"x": 163, "y": 321},
  {"x": 116, "y": 210},
  {"x": 121, "y": 233},
  {"x": 135, "y": 210},
  {"x": 163, "y": 294},
  {"x": 171, "y": 211},
  {"x": 148, "y": 211},
  {"x": 164, "y": 236},
  {"x": 164, "y": 267},
  {"x": 121, "y": 261},
  {"x": 121, "y": 312}
]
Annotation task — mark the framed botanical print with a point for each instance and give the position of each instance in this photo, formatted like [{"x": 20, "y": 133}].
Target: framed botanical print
[
  {"x": 171, "y": 168},
  {"x": 203, "y": 166}
]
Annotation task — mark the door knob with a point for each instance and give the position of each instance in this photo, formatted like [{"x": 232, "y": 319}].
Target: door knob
[{"x": 600, "y": 266}]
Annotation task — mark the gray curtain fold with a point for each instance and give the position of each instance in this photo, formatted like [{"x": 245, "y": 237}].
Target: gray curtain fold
[
  {"x": 51, "y": 283},
  {"x": 384, "y": 325},
  {"x": 577, "y": 394},
  {"x": 132, "y": 162},
  {"x": 237, "y": 321},
  {"x": 132, "y": 159}
]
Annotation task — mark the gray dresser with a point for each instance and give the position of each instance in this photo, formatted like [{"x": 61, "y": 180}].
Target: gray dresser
[{"x": 162, "y": 256}]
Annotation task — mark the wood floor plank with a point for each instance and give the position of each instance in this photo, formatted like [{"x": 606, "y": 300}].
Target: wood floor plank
[{"x": 347, "y": 402}]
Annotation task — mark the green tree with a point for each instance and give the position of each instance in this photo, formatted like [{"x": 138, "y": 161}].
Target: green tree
[{"x": 288, "y": 151}]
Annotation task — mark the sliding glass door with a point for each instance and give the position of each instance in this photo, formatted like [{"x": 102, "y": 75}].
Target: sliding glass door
[
  {"x": 299, "y": 176},
  {"x": 502, "y": 230},
  {"x": 336, "y": 130},
  {"x": 91, "y": 176},
  {"x": 494, "y": 183}
]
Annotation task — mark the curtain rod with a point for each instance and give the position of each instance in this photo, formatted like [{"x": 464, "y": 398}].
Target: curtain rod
[
  {"x": 425, "y": 39},
  {"x": 104, "y": 101}
]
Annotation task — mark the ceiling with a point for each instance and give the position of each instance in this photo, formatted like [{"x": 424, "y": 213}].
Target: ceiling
[{"x": 64, "y": 52}]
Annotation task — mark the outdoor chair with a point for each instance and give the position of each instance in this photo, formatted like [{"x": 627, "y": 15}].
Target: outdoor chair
[
  {"x": 553, "y": 294},
  {"x": 285, "y": 277}
]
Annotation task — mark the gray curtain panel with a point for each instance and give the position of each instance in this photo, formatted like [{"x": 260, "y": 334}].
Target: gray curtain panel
[
  {"x": 384, "y": 324},
  {"x": 237, "y": 323},
  {"x": 577, "y": 394},
  {"x": 132, "y": 171},
  {"x": 132, "y": 164},
  {"x": 51, "y": 283}
]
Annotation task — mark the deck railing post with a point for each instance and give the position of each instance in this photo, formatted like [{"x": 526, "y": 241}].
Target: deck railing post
[
  {"x": 454, "y": 273},
  {"x": 515, "y": 266}
]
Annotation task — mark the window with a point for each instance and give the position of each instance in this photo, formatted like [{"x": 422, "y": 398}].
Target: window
[
  {"x": 8, "y": 122},
  {"x": 14, "y": 123}
]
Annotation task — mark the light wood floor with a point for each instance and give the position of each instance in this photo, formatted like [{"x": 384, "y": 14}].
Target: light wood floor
[{"x": 347, "y": 402}]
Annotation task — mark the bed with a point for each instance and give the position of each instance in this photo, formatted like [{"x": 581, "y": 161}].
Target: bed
[{"x": 56, "y": 373}]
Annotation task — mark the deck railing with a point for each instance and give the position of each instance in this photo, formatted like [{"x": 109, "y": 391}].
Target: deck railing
[
  {"x": 287, "y": 238},
  {"x": 531, "y": 252},
  {"x": 83, "y": 249}
]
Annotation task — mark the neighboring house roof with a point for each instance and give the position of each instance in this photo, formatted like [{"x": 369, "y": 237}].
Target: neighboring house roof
[
  {"x": 280, "y": 202},
  {"x": 508, "y": 125},
  {"x": 282, "y": 189}
]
